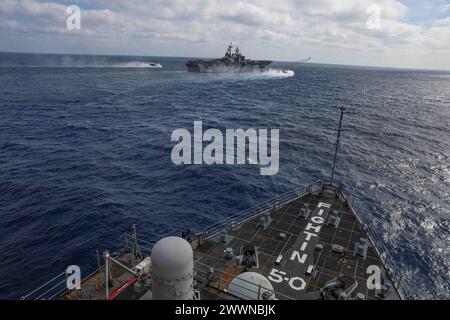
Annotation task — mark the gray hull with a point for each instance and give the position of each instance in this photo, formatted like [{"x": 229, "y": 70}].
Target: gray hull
[{"x": 219, "y": 66}]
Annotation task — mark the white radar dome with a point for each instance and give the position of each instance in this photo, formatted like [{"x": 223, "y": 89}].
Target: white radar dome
[
  {"x": 248, "y": 285},
  {"x": 172, "y": 269}
]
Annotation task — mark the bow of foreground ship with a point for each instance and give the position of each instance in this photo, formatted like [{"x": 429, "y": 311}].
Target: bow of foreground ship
[
  {"x": 231, "y": 62},
  {"x": 307, "y": 244}
]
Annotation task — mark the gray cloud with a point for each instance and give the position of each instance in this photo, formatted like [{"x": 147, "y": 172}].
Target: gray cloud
[{"x": 286, "y": 30}]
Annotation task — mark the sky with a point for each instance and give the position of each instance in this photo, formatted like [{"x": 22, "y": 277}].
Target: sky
[{"x": 386, "y": 33}]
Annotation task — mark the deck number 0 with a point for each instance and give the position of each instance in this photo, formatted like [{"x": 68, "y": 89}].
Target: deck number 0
[{"x": 295, "y": 283}]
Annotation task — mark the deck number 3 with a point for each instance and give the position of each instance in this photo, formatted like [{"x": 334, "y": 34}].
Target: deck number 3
[{"x": 295, "y": 283}]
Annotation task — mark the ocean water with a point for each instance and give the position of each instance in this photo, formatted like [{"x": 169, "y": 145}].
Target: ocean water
[{"x": 85, "y": 153}]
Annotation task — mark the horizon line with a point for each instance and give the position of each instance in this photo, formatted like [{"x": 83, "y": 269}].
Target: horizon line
[{"x": 282, "y": 61}]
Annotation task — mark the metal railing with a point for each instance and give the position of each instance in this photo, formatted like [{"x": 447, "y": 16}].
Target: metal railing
[
  {"x": 396, "y": 277},
  {"x": 257, "y": 289},
  {"x": 259, "y": 209},
  {"x": 56, "y": 286},
  {"x": 53, "y": 288},
  {"x": 144, "y": 247}
]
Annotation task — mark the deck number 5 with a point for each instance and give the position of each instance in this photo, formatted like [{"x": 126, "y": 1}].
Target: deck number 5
[{"x": 277, "y": 276}]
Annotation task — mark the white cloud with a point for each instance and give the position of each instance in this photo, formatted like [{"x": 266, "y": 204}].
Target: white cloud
[
  {"x": 293, "y": 25},
  {"x": 445, "y": 7}
]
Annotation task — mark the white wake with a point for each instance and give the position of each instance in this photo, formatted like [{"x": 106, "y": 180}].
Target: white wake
[
  {"x": 131, "y": 64},
  {"x": 282, "y": 73}
]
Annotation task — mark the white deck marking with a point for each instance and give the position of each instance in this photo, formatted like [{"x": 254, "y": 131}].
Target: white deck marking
[
  {"x": 296, "y": 282},
  {"x": 296, "y": 254},
  {"x": 280, "y": 257},
  {"x": 310, "y": 226},
  {"x": 303, "y": 247},
  {"x": 309, "y": 235},
  {"x": 310, "y": 269},
  {"x": 323, "y": 204}
]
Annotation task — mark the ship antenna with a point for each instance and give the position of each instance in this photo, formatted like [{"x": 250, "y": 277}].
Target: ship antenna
[{"x": 337, "y": 144}]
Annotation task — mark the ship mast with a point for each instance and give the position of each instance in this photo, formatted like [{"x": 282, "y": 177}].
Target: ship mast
[
  {"x": 228, "y": 53},
  {"x": 337, "y": 144}
]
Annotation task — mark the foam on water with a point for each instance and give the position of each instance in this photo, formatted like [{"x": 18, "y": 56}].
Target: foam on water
[
  {"x": 86, "y": 153},
  {"x": 278, "y": 73},
  {"x": 268, "y": 73},
  {"x": 225, "y": 74},
  {"x": 130, "y": 64}
]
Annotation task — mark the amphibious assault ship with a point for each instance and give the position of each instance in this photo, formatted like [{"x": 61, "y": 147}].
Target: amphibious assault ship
[
  {"x": 231, "y": 62},
  {"x": 310, "y": 243}
]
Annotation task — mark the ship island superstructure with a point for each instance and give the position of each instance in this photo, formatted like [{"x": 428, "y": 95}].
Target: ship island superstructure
[{"x": 233, "y": 61}]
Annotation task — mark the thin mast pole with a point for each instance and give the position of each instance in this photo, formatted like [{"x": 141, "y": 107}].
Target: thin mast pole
[
  {"x": 106, "y": 256},
  {"x": 337, "y": 144}
]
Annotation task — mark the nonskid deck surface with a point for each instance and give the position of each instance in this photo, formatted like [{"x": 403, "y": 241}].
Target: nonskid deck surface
[
  {"x": 296, "y": 245},
  {"x": 296, "y": 250},
  {"x": 93, "y": 287}
]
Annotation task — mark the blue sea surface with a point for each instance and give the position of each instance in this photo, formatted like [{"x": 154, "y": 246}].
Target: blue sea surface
[{"x": 85, "y": 145}]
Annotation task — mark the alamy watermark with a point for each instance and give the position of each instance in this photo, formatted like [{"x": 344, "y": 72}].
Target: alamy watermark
[
  {"x": 374, "y": 20},
  {"x": 73, "y": 21},
  {"x": 241, "y": 147},
  {"x": 73, "y": 277},
  {"x": 374, "y": 279}
]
